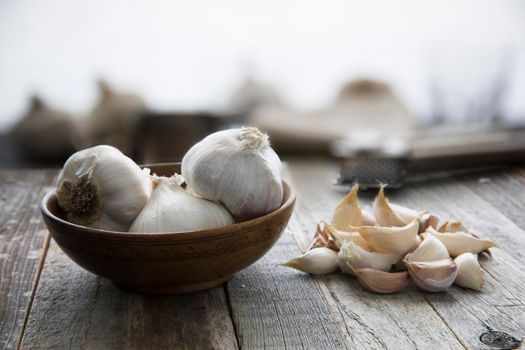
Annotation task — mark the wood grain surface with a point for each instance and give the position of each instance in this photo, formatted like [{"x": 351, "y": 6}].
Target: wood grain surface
[{"x": 266, "y": 305}]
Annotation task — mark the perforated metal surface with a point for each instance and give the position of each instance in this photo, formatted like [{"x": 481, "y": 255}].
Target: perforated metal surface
[{"x": 372, "y": 171}]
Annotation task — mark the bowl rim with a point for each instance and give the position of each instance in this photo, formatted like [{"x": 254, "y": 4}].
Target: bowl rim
[{"x": 169, "y": 235}]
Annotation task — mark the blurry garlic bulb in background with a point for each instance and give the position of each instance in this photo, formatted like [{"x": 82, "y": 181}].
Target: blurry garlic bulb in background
[
  {"x": 114, "y": 117},
  {"x": 238, "y": 168},
  {"x": 173, "y": 209},
  {"x": 47, "y": 134},
  {"x": 101, "y": 188}
]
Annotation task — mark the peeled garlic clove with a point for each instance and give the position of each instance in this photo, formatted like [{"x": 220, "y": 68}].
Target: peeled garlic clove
[
  {"x": 469, "y": 271},
  {"x": 348, "y": 211},
  {"x": 458, "y": 243},
  {"x": 381, "y": 282},
  {"x": 431, "y": 249},
  {"x": 432, "y": 276},
  {"x": 101, "y": 188},
  {"x": 318, "y": 261},
  {"x": 172, "y": 209},
  {"x": 352, "y": 256},
  {"x": 394, "y": 240},
  {"x": 389, "y": 214},
  {"x": 238, "y": 168}
]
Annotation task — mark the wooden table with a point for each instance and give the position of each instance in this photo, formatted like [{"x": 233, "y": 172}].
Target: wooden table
[{"x": 46, "y": 301}]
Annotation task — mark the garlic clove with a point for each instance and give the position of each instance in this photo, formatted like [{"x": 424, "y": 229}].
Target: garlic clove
[
  {"x": 394, "y": 240},
  {"x": 348, "y": 211},
  {"x": 431, "y": 249},
  {"x": 381, "y": 282},
  {"x": 172, "y": 209},
  {"x": 469, "y": 272},
  {"x": 318, "y": 261},
  {"x": 238, "y": 168},
  {"x": 368, "y": 218},
  {"x": 352, "y": 256},
  {"x": 389, "y": 214},
  {"x": 432, "y": 276},
  {"x": 458, "y": 243},
  {"x": 339, "y": 237},
  {"x": 101, "y": 188}
]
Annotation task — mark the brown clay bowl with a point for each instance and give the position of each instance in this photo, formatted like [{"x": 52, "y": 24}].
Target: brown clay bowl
[{"x": 168, "y": 263}]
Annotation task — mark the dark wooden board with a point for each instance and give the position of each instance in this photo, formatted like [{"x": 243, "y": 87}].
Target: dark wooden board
[{"x": 22, "y": 239}]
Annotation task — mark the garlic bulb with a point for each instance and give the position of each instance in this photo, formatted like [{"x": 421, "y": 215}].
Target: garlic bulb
[
  {"x": 317, "y": 261},
  {"x": 172, "y": 209},
  {"x": 101, "y": 188},
  {"x": 352, "y": 256},
  {"x": 469, "y": 271},
  {"x": 238, "y": 168}
]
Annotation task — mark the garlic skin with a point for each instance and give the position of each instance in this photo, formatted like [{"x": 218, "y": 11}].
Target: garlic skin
[
  {"x": 452, "y": 226},
  {"x": 430, "y": 250},
  {"x": 469, "y": 272},
  {"x": 338, "y": 237},
  {"x": 172, "y": 209},
  {"x": 394, "y": 240},
  {"x": 348, "y": 212},
  {"x": 458, "y": 243},
  {"x": 432, "y": 276},
  {"x": 381, "y": 282},
  {"x": 101, "y": 188},
  {"x": 388, "y": 214},
  {"x": 352, "y": 256},
  {"x": 317, "y": 261},
  {"x": 238, "y": 168}
]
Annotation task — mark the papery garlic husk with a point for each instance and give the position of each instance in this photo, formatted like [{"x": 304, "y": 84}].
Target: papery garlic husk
[
  {"x": 381, "y": 282},
  {"x": 458, "y": 243},
  {"x": 348, "y": 212},
  {"x": 101, "y": 188},
  {"x": 432, "y": 276},
  {"x": 469, "y": 272},
  {"x": 352, "y": 256},
  {"x": 238, "y": 168},
  {"x": 428, "y": 220},
  {"x": 429, "y": 250},
  {"x": 394, "y": 240},
  {"x": 339, "y": 237},
  {"x": 452, "y": 226},
  {"x": 172, "y": 209},
  {"x": 317, "y": 261},
  {"x": 388, "y": 214}
]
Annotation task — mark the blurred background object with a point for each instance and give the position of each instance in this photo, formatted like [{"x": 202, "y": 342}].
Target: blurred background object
[{"x": 312, "y": 75}]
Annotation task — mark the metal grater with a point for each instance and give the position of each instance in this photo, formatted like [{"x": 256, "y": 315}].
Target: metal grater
[{"x": 394, "y": 162}]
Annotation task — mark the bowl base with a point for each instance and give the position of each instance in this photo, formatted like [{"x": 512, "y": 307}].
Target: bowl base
[{"x": 177, "y": 289}]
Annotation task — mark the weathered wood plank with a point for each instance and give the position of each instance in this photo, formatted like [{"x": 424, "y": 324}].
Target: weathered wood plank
[
  {"x": 500, "y": 304},
  {"x": 22, "y": 236},
  {"x": 78, "y": 310},
  {"x": 399, "y": 321}
]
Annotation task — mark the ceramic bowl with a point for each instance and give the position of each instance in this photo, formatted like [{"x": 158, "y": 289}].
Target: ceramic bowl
[{"x": 168, "y": 263}]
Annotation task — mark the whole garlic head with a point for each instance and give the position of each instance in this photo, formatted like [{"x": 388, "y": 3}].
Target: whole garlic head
[
  {"x": 238, "y": 168},
  {"x": 101, "y": 188},
  {"x": 173, "y": 209}
]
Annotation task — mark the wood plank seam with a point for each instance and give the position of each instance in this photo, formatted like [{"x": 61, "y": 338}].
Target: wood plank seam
[
  {"x": 446, "y": 323},
  {"x": 40, "y": 266},
  {"x": 230, "y": 311}
]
